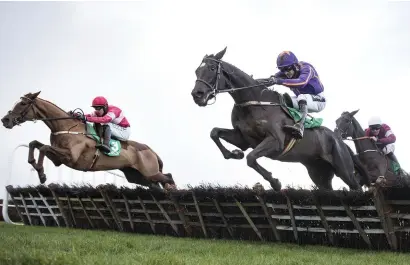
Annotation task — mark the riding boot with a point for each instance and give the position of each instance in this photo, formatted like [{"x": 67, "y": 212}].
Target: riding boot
[
  {"x": 393, "y": 157},
  {"x": 298, "y": 129},
  {"x": 106, "y": 137}
]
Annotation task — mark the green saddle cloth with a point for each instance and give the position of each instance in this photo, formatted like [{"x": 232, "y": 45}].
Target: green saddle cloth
[
  {"x": 310, "y": 122},
  {"x": 395, "y": 167},
  {"x": 115, "y": 145}
]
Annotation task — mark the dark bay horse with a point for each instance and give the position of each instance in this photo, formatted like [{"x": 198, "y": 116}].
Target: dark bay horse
[
  {"x": 258, "y": 117},
  {"x": 72, "y": 146},
  {"x": 376, "y": 162}
]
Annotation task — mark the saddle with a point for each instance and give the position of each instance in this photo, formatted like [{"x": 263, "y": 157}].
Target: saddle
[
  {"x": 286, "y": 104},
  {"x": 115, "y": 144}
]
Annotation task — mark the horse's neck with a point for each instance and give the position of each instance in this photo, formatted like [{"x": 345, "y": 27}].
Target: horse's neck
[
  {"x": 46, "y": 110},
  {"x": 241, "y": 79},
  {"x": 364, "y": 144}
]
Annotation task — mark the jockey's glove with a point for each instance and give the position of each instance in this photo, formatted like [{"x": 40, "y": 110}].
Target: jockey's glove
[
  {"x": 80, "y": 116},
  {"x": 275, "y": 80}
]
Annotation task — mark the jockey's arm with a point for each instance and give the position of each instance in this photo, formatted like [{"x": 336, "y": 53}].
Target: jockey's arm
[
  {"x": 306, "y": 73},
  {"x": 279, "y": 75},
  {"x": 268, "y": 80},
  {"x": 104, "y": 119},
  {"x": 389, "y": 137},
  {"x": 92, "y": 114}
]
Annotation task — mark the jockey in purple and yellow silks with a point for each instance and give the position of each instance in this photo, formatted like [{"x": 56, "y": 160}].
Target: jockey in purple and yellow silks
[{"x": 303, "y": 80}]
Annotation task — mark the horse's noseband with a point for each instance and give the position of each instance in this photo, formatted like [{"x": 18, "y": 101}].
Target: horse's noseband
[
  {"x": 214, "y": 87},
  {"x": 343, "y": 133},
  {"x": 21, "y": 116}
]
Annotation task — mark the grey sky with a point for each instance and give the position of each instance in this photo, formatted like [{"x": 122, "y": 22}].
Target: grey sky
[{"x": 142, "y": 56}]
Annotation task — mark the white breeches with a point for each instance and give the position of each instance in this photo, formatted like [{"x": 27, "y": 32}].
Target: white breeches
[
  {"x": 119, "y": 132},
  {"x": 315, "y": 103},
  {"x": 389, "y": 148}
]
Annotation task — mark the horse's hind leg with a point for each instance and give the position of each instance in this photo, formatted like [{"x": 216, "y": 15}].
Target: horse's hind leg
[
  {"x": 232, "y": 136},
  {"x": 321, "y": 173},
  {"x": 165, "y": 179},
  {"x": 134, "y": 176},
  {"x": 265, "y": 148}
]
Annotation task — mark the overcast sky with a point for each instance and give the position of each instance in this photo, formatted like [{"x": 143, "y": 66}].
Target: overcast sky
[{"x": 142, "y": 56}]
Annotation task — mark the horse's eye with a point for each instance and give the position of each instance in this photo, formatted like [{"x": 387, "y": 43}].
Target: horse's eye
[{"x": 212, "y": 68}]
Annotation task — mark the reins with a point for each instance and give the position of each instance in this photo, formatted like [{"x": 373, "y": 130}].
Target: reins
[{"x": 31, "y": 105}]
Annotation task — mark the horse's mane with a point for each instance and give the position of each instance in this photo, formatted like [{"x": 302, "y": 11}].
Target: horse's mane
[{"x": 51, "y": 103}]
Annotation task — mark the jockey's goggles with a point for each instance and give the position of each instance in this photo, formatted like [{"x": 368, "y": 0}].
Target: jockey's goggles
[{"x": 286, "y": 68}]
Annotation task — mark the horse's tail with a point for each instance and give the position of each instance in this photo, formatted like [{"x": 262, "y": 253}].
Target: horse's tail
[{"x": 359, "y": 167}]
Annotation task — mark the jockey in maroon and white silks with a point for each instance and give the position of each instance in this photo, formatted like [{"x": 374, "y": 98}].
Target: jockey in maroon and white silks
[{"x": 383, "y": 135}]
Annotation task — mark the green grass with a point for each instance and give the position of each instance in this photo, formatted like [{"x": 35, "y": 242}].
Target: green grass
[{"x": 40, "y": 245}]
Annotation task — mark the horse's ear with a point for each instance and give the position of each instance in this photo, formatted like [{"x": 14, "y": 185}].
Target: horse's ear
[
  {"x": 33, "y": 96},
  {"x": 354, "y": 112},
  {"x": 220, "y": 54}
]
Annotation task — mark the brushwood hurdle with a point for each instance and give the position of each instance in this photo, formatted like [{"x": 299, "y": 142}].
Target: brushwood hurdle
[
  {"x": 376, "y": 220},
  {"x": 54, "y": 174}
]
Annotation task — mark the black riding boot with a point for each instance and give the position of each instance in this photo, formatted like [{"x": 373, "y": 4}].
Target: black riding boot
[
  {"x": 105, "y": 134},
  {"x": 393, "y": 157},
  {"x": 298, "y": 129}
]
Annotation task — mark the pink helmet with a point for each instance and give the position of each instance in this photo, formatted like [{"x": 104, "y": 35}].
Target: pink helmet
[{"x": 99, "y": 102}]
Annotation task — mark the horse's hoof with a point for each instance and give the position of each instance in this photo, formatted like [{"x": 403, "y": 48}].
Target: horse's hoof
[
  {"x": 43, "y": 178},
  {"x": 381, "y": 180},
  {"x": 276, "y": 185},
  {"x": 237, "y": 154},
  {"x": 169, "y": 187},
  {"x": 258, "y": 188},
  {"x": 31, "y": 161}
]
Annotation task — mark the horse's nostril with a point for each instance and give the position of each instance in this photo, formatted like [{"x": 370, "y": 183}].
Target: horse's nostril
[{"x": 198, "y": 94}]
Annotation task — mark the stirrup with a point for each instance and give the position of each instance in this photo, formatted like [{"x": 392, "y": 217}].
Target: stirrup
[
  {"x": 295, "y": 127},
  {"x": 103, "y": 147},
  {"x": 294, "y": 130}
]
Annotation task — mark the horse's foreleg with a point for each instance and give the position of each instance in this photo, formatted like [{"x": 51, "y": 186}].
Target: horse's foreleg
[
  {"x": 267, "y": 147},
  {"x": 232, "y": 136},
  {"x": 343, "y": 166},
  {"x": 31, "y": 146},
  {"x": 51, "y": 153},
  {"x": 31, "y": 160}
]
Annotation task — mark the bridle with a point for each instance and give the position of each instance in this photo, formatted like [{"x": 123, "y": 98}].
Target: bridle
[
  {"x": 215, "y": 89},
  {"x": 31, "y": 103},
  {"x": 21, "y": 116},
  {"x": 344, "y": 133}
]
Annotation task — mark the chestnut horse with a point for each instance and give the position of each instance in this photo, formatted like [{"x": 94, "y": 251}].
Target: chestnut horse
[{"x": 72, "y": 146}]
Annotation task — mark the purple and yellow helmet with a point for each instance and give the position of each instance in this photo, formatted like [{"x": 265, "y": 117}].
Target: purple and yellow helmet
[{"x": 286, "y": 58}]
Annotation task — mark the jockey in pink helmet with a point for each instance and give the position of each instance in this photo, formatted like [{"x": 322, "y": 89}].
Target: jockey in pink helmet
[
  {"x": 109, "y": 120},
  {"x": 303, "y": 80}
]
